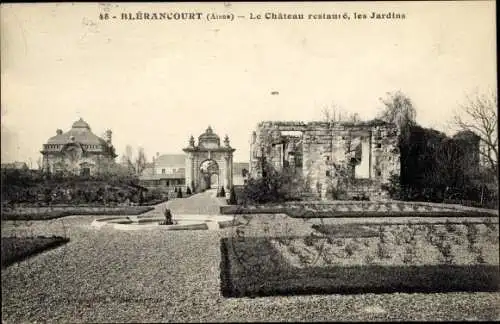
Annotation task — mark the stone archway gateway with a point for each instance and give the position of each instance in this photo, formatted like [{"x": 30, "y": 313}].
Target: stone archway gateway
[
  {"x": 209, "y": 170},
  {"x": 209, "y": 164}
]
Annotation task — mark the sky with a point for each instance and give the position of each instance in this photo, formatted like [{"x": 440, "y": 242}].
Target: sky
[{"x": 154, "y": 83}]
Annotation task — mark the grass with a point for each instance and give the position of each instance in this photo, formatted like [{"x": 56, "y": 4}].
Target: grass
[
  {"x": 15, "y": 249},
  {"x": 267, "y": 273},
  {"x": 46, "y": 215}
]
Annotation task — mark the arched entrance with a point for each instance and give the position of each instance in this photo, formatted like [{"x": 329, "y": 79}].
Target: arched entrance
[
  {"x": 209, "y": 171},
  {"x": 208, "y": 163}
]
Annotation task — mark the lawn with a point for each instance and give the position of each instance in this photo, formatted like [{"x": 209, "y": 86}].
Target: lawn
[
  {"x": 105, "y": 275},
  {"x": 16, "y": 249},
  {"x": 347, "y": 258}
]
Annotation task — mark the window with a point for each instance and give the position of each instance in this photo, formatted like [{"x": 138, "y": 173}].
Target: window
[
  {"x": 162, "y": 171},
  {"x": 379, "y": 173},
  {"x": 327, "y": 173},
  {"x": 379, "y": 145}
]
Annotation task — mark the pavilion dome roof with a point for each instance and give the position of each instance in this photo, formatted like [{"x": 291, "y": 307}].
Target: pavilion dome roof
[
  {"x": 209, "y": 138},
  {"x": 208, "y": 134},
  {"x": 79, "y": 133},
  {"x": 80, "y": 124}
]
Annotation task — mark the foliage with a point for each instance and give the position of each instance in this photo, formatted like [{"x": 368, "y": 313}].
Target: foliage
[
  {"x": 222, "y": 192},
  {"x": 399, "y": 110},
  {"x": 437, "y": 168},
  {"x": 34, "y": 187},
  {"x": 273, "y": 186},
  {"x": 15, "y": 249},
  {"x": 232, "y": 197}
]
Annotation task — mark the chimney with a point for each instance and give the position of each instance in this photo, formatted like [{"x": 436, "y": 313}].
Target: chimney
[
  {"x": 59, "y": 132},
  {"x": 108, "y": 136}
]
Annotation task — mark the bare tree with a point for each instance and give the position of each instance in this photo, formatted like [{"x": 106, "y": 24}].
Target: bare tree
[
  {"x": 354, "y": 118},
  {"x": 129, "y": 155},
  {"x": 336, "y": 113},
  {"x": 478, "y": 114},
  {"x": 39, "y": 163},
  {"x": 140, "y": 161},
  {"x": 332, "y": 114}
]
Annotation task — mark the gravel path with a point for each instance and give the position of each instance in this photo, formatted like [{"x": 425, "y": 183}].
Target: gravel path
[{"x": 162, "y": 276}]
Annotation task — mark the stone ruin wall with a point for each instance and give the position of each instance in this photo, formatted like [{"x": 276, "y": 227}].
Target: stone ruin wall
[{"x": 324, "y": 151}]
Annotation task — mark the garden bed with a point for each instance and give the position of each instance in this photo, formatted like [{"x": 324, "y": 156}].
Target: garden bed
[
  {"x": 363, "y": 259},
  {"x": 15, "y": 249},
  {"x": 45, "y": 214},
  {"x": 190, "y": 227},
  {"x": 358, "y": 209}
]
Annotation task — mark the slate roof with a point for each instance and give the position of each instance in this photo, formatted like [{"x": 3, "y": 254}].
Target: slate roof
[
  {"x": 80, "y": 132},
  {"x": 171, "y": 160}
]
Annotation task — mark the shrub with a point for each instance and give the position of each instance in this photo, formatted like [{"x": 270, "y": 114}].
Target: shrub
[
  {"x": 369, "y": 259},
  {"x": 488, "y": 222},
  {"x": 222, "y": 192},
  {"x": 339, "y": 242},
  {"x": 450, "y": 227},
  {"x": 480, "y": 258},
  {"x": 309, "y": 240},
  {"x": 350, "y": 248},
  {"x": 232, "y": 197},
  {"x": 409, "y": 255},
  {"x": 472, "y": 233},
  {"x": 383, "y": 252}
]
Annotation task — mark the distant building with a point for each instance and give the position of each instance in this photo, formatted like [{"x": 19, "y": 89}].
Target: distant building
[
  {"x": 78, "y": 151},
  {"x": 167, "y": 170}
]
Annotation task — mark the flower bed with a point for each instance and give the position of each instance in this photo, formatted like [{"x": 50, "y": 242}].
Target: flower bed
[
  {"x": 15, "y": 249},
  {"x": 47, "y": 213},
  {"x": 404, "y": 258}
]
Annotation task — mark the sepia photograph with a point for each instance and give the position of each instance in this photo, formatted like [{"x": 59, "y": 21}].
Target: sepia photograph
[{"x": 249, "y": 162}]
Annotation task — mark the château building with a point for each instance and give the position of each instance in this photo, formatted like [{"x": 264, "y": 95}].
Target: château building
[{"x": 78, "y": 151}]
